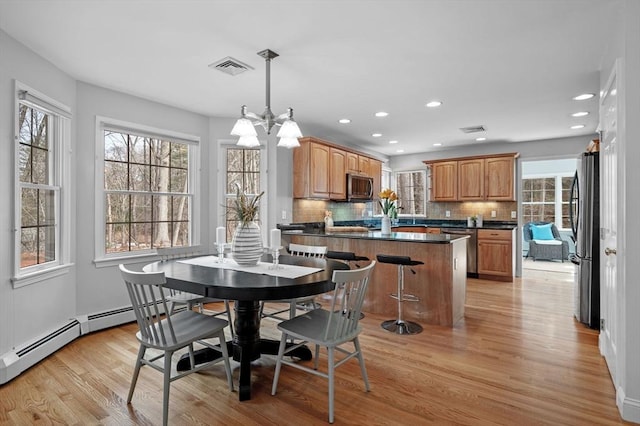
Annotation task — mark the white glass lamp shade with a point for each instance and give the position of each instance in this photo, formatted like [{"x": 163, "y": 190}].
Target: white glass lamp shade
[
  {"x": 288, "y": 143},
  {"x": 244, "y": 127},
  {"x": 248, "y": 141},
  {"x": 289, "y": 130}
]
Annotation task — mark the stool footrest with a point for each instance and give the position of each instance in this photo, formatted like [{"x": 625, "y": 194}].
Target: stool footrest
[{"x": 406, "y": 297}]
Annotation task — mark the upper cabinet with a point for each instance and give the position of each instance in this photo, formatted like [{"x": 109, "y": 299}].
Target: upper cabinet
[
  {"x": 444, "y": 181},
  {"x": 482, "y": 178},
  {"x": 320, "y": 169}
]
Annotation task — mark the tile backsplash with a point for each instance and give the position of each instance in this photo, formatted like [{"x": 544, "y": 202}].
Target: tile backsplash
[{"x": 313, "y": 210}]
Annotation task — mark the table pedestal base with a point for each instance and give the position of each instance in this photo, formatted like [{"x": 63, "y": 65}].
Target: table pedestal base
[{"x": 246, "y": 347}]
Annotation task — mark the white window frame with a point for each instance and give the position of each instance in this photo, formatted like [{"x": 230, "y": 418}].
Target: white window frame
[
  {"x": 60, "y": 161},
  {"x": 406, "y": 214},
  {"x": 103, "y": 259},
  {"x": 558, "y": 194}
]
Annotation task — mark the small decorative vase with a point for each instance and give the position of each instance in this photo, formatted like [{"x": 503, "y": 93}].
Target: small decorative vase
[
  {"x": 246, "y": 247},
  {"x": 386, "y": 225}
]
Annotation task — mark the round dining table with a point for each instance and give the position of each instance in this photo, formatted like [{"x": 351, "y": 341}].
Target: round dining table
[{"x": 247, "y": 289}]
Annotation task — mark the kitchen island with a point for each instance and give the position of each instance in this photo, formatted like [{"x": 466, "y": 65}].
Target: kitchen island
[{"x": 440, "y": 284}]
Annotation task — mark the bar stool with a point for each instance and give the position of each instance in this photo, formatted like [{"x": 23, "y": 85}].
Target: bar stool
[
  {"x": 347, "y": 257},
  {"x": 399, "y": 325}
]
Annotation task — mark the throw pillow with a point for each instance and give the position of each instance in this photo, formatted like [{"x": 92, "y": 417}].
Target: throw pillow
[{"x": 542, "y": 232}]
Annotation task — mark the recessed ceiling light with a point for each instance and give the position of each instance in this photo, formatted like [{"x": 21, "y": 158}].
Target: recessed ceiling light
[
  {"x": 583, "y": 97},
  {"x": 433, "y": 104},
  {"x": 344, "y": 121},
  {"x": 481, "y": 139},
  {"x": 381, "y": 114},
  {"x": 580, "y": 114},
  {"x": 437, "y": 144},
  {"x": 393, "y": 141},
  {"x": 376, "y": 135},
  {"x": 577, "y": 126},
  {"x": 400, "y": 150}
]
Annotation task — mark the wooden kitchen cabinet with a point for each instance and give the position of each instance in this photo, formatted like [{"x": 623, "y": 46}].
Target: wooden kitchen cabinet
[
  {"x": 337, "y": 174},
  {"x": 481, "y": 178},
  {"x": 375, "y": 171},
  {"x": 444, "y": 181},
  {"x": 320, "y": 170},
  {"x": 471, "y": 179},
  {"x": 500, "y": 176},
  {"x": 353, "y": 164},
  {"x": 496, "y": 254}
]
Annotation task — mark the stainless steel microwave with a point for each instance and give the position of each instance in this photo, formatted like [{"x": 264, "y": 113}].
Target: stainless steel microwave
[{"x": 359, "y": 187}]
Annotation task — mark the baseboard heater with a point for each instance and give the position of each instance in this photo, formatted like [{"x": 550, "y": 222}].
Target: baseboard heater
[{"x": 13, "y": 363}]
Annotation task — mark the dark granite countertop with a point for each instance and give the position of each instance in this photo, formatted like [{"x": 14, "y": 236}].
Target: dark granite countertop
[
  {"x": 374, "y": 224},
  {"x": 377, "y": 235}
]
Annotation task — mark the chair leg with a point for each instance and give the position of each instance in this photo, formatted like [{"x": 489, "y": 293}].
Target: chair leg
[
  {"x": 225, "y": 356},
  {"x": 136, "y": 372},
  {"x": 315, "y": 359},
  {"x": 356, "y": 344},
  {"x": 331, "y": 375},
  {"x": 226, "y": 308},
  {"x": 166, "y": 387},
  {"x": 276, "y": 375}
]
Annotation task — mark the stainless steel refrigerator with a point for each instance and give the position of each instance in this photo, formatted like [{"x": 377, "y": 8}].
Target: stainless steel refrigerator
[{"x": 584, "y": 212}]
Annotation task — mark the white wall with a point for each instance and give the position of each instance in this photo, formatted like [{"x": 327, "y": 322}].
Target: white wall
[
  {"x": 532, "y": 150},
  {"x": 100, "y": 288},
  {"x": 28, "y": 311},
  {"x": 624, "y": 35}
]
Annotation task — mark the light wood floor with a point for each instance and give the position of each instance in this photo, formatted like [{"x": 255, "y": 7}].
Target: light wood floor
[{"x": 518, "y": 358}]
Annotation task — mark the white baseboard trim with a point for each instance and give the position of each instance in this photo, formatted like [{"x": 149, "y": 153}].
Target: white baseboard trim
[
  {"x": 629, "y": 408},
  {"x": 13, "y": 363}
]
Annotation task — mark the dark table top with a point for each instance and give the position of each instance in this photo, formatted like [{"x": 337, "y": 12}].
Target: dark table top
[{"x": 236, "y": 285}]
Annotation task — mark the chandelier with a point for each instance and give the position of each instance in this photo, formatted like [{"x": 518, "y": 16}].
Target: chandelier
[{"x": 244, "y": 128}]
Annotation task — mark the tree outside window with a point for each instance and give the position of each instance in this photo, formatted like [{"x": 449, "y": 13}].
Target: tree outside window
[
  {"x": 411, "y": 191},
  {"x": 147, "y": 195},
  {"x": 242, "y": 172}
]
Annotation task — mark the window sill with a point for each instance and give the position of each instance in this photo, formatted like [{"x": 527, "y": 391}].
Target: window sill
[
  {"x": 36, "y": 277},
  {"x": 106, "y": 262}
]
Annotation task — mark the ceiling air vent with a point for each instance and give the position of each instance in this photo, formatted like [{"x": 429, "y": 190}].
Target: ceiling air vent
[
  {"x": 473, "y": 129},
  {"x": 230, "y": 66}
]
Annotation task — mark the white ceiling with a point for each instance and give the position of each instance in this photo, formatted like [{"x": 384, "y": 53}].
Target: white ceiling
[{"x": 510, "y": 65}]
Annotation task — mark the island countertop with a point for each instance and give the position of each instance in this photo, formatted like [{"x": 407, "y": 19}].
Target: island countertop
[{"x": 377, "y": 235}]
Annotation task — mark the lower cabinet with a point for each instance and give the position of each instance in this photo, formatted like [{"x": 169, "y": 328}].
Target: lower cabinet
[{"x": 496, "y": 254}]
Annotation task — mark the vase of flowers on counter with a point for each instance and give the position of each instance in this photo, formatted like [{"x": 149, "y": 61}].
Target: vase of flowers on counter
[
  {"x": 387, "y": 202},
  {"x": 246, "y": 247}
]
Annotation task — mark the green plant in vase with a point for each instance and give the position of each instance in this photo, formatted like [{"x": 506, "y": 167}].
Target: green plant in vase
[{"x": 246, "y": 247}]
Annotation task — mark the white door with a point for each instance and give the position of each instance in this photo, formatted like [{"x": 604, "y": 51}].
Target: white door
[{"x": 609, "y": 148}]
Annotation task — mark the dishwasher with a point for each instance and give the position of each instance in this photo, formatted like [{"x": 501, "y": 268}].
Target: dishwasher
[{"x": 472, "y": 247}]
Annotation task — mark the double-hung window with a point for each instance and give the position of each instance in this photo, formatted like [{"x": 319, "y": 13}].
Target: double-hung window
[
  {"x": 148, "y": 189},
  {"x": 244, "y": 171},
  {"x": 42, "y": 139}
]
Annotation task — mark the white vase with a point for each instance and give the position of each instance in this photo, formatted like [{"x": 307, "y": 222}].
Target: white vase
[
  {"x": 386, "y": 225},
  {"x": 246, "y": 247}
]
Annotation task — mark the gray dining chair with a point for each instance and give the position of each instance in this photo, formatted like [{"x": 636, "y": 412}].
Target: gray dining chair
[
  {"x": 305, "y": 303},
  {"x": 176, "y": 297},
  {"x": 167, "y": 332},
  {"x": 331, "y": 329}
]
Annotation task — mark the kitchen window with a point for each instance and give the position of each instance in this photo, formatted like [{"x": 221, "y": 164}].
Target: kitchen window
[
  {"x": 42, "y": 136},
  {"x": 147, "y": 189},
  {"x": 410, "y": 186}
]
